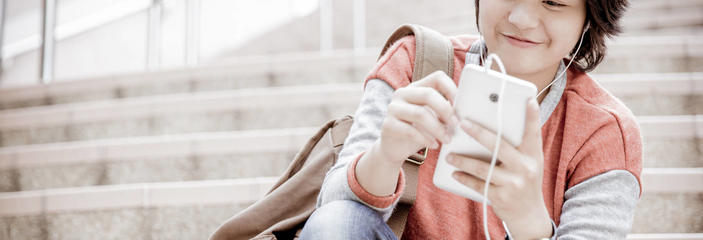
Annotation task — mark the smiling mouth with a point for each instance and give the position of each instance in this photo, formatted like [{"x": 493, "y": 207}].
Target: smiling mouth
[{"x": 520, "y": 42}]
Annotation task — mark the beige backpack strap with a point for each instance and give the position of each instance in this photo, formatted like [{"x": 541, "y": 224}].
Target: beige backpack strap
[
  {"x": 340, "y": 131},
  {"x": 433, "y": 51}
]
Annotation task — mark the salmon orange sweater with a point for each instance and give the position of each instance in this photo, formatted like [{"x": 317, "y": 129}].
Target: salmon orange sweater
[{"x": 588, "y": 133}]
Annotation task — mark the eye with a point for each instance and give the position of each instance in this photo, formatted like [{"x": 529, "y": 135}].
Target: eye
[{"x": 553, "y": 3}]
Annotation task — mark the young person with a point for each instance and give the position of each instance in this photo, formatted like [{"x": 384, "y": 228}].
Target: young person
[{"x": 575, "y": 175}]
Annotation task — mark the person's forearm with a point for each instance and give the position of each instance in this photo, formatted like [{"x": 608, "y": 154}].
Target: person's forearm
[{"x": 376, "y": 175}]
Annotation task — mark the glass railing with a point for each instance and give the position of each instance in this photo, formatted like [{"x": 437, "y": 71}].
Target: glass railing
[{"x": 82, "y": 38}]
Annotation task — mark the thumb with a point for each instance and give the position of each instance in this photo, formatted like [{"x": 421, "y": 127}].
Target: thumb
[{"x": 532, "y": 137}]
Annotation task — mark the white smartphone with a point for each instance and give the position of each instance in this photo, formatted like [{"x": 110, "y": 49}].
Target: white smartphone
[{"x": 477, "y": 100}]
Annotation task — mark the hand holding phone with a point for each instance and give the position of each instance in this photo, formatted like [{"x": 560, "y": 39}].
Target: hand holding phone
[{"x": 477, "y": 100}]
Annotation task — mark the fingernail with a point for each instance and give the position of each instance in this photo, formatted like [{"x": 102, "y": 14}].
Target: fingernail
[
  {"x": 450, "y": 131},
  {"x": 466, "y": 124},
  {"x": 455, "y": 120},
  {"x": 446, "y": 138},
  {"x": 451, "y": 160}
]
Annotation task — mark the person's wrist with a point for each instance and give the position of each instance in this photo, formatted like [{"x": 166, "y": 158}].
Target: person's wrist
[
  {"x": 375, "y": 175},
  {"x": 539, "y": 226},
  {"x": 387, "y": 160}
]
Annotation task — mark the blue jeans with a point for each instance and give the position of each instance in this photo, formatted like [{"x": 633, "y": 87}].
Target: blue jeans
[{"x": 346, "y": 219}]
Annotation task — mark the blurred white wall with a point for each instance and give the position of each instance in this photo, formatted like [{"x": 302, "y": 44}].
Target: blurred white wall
[{"x": 102, "y": 37}]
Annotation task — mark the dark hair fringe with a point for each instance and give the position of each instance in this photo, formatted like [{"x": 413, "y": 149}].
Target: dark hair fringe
[{"x": 604, "y": 18}]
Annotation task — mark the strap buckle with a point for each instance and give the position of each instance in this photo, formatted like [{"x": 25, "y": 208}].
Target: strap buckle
[{"x": 419, "y": 157}]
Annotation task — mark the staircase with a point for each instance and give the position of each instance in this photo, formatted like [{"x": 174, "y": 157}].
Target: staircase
[{"x": 172, "y": 154}]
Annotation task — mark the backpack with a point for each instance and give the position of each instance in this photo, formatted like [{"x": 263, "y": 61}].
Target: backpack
[{"x": 282, "y": 212}]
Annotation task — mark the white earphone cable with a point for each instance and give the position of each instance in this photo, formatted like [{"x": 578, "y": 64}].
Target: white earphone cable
[
  {"x": 567, "y": 66},
  {"x": 499, "y": 115},
  {"x": 487, "y": 66}
]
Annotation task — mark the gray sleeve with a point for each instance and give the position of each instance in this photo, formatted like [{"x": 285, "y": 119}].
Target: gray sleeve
[
  {"x": 364, "y": 132},
  {"x": 602, "y": 207}
]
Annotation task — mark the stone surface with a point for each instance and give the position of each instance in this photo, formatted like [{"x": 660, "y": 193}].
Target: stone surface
[
  {"x": 197, "y": 222},
  {"x": 656, "y": 104},
  {"x": 271, "y": 117},
  {"x": 673, "y": 153},
  {"x": 177, "y": 222},
  {"x": 166, "y": 87},
  {"x": 658, "y": 153},
  {"x": 669, "y": 213},
  {"x": 167, "y": 169},
  {"x": 107, "y": 224},
  {"x": 23, "y": 227},
  {"x": 112, "y": 129},
  {"x": 650, "y": 65},
  {"x": 24, "y": 103},
  {"x": 75, "y": 175},
  {"x": 90, "y": 95},
  {"x": 8, "y": 180}
]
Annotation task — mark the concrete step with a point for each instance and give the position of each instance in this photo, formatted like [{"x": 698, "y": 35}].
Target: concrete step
[
  {"x": 657, "y": 93},
  {"x": 669, "y": 212},
  {"x": 258, "y": 108},
  {"x": 261, "y": 108},
  {"x": 194, "y": 209},
  {"x": 243, "y": 72},
  {"x": 664, "y": 18},
  {"x": 654, "y": 54},
  {"x": 180, "y": 210},
  {"x": 668, "y": 142},
  {"x": 678, "y": 53},
  {"x": 667, "y": 236},
  {"x": 656, "y": 5},
  {"x": 675, "y": 31},
  {"x": 200, "y": 156},
  {"x": 672, "y": 141},
  {"x": 672, "y": 201}
]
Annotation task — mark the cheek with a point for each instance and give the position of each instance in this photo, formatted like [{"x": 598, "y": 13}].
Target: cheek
[
  {"x": 489, "y": 14},
  {"x": 562, "y": 42}
]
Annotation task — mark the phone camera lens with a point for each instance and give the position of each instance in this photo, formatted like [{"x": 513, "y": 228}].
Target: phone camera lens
[{"x": 493, "y": 97}]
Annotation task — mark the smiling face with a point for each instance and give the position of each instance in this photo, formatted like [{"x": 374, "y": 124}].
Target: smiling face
[{"x": 531, "y": 36}]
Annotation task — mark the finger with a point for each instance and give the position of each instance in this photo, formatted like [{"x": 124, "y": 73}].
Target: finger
[
  {"x": 430, "y": 97},
  {"x": 507, "y": 153},
  {"x": 443, "y": 83},
  {"x": 470, "y": 181},
  {"x": 407, "y": 129},
  {"x": 532, "y": 138},
  {"x": 497, "y": 195},
  {"x": 410, "y": 133},
  {"x": 420, "y": 117},
  {"x": 478, "y": 168}
]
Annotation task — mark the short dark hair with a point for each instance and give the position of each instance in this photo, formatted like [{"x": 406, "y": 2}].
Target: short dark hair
[{"x": 604, "y": 19}]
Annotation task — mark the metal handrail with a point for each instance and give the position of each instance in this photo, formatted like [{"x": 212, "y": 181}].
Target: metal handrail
[
  {"x": 359, "y": 26},
  {"x": 2, "y": 33},
  {"x": 326, "y": 29},
  {"x": 192, "y": 33},
  {"x": 47, "y": 39},
  {"x": 154, "y": 35}
]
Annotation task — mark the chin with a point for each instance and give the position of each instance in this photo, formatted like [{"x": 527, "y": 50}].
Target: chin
[{"x": 518, "y": 65}]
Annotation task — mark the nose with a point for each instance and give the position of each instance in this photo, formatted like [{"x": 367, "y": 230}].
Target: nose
[{"x": 523, "y": 16}]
